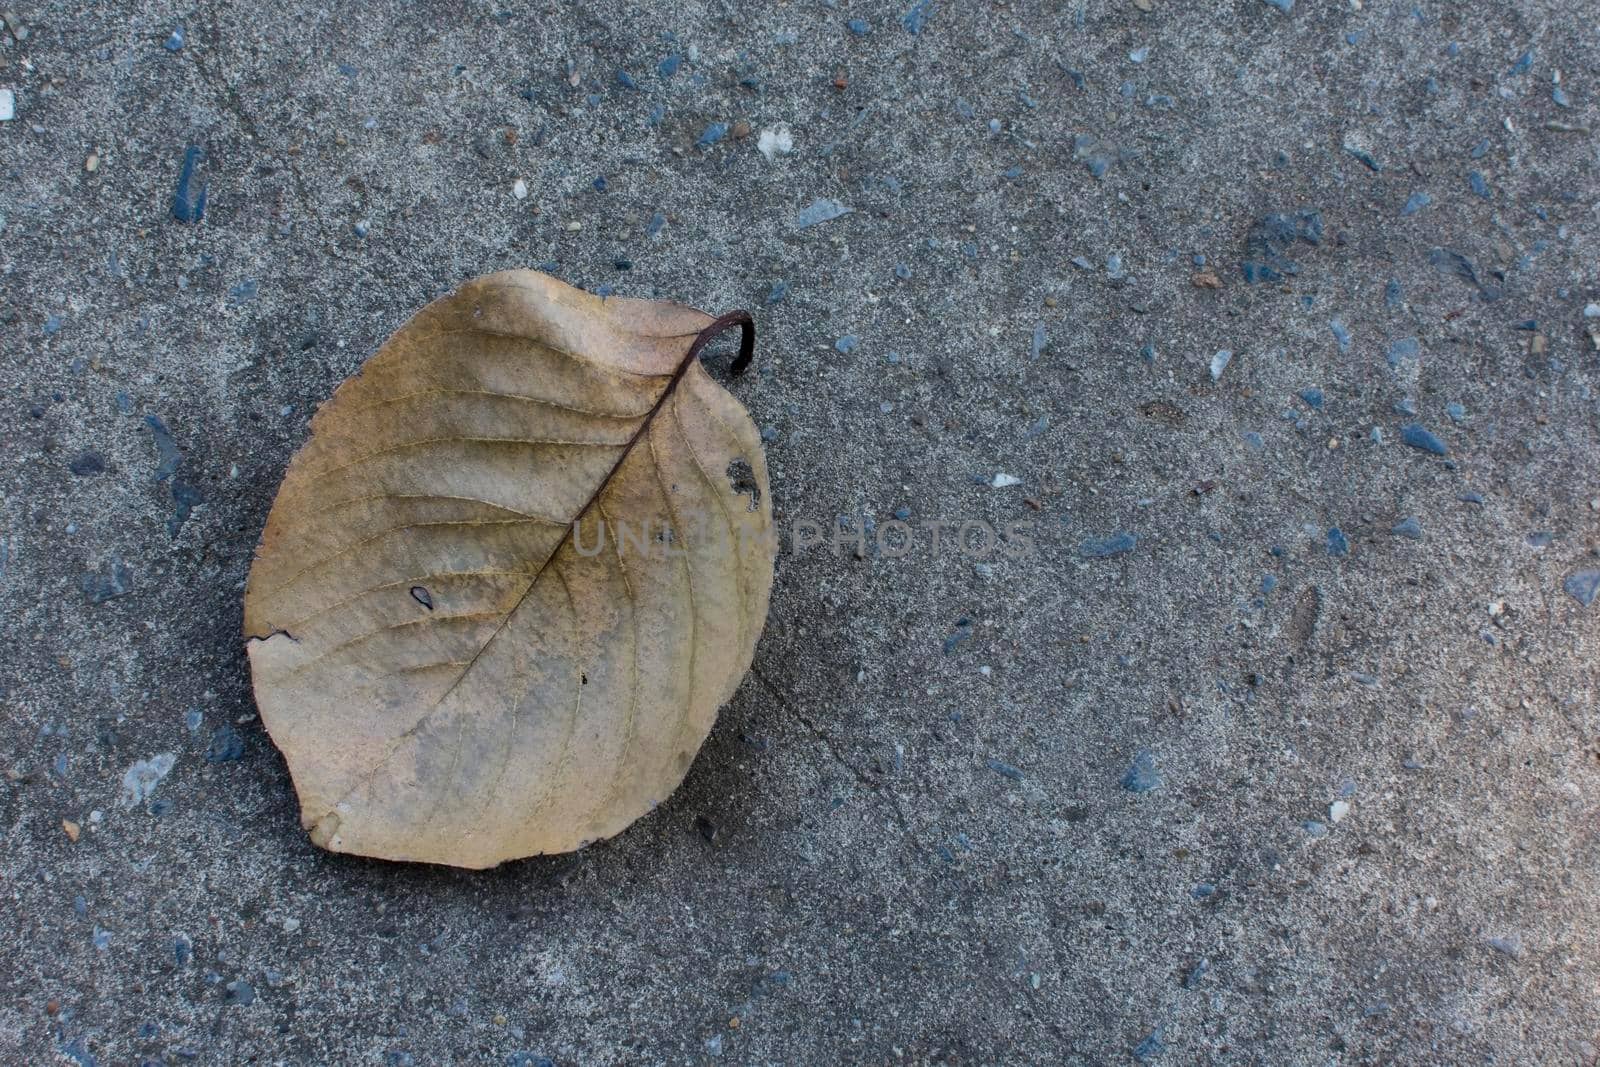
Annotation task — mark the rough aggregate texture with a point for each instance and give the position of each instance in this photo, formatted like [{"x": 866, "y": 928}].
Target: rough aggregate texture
[{"x": 908, "y": 838}]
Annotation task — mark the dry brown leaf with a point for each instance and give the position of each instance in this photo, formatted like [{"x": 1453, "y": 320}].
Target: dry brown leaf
[{"x": 456, "y": 667}]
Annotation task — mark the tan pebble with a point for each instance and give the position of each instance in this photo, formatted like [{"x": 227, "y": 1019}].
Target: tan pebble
[
  {"x": 72, "y": 830},
  {"x": 1206, "y": 279}
]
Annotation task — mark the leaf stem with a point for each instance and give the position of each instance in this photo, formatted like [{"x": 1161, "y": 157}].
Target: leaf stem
[{"x": 747, "y": 340}]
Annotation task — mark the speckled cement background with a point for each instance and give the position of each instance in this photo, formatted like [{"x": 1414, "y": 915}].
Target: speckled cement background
[{"x": 911, "y": 837}]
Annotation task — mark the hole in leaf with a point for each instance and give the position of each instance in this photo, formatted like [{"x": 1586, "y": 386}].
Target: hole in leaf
[
  {"x": 420, "y": 595},
  {"x": 742, "y": 479}
]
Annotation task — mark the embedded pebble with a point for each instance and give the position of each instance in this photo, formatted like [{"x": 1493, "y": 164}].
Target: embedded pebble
[
  {"x": 1510, "y": 946},
  {"x": 189, "y": 203},
  {"x": 820, "y": 211},
  {"x": 1005, "y": 770},
  {"x": 1142, "y": 775},
  {"x": 1403, "y": 350},
  {"x": 1408, "y": 528},
  {"x": 915, "y": 19},
  {"x": 1341, "y": 334},
  {"x": 1152, "y": 1046},
  {"x": 1583, "y": 586},
  {"x": 1219, "y": 363},
  {"x": 1108, "y": 547},
  {"x": 1418, "y": 436},
  {"x": 142, "y": 777},
  {"x": 116, "y": 580},
  {"x": 226, "y": 745},
  {"x": 87, "y": 464},
  {"x": 774, "y": 142}
]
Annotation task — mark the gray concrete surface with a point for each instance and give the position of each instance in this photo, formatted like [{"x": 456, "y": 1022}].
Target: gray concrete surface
[{"x": 908, "y": 839}]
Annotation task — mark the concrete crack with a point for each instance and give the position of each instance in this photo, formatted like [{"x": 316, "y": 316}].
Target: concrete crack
[{"x": 860, "y": 776}]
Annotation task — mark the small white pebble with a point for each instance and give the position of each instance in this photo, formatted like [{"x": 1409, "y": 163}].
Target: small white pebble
[
  {"x": 519, "y": 189},
  {"x": 1003, "y": 480},
  {"x": 1592, "y": 311},
  {"x": 8, "y": 105},
  {"x": 777, "y": 141},
  {"x": 574, "y": 226},
  {"x": 1338, "y": 810},
  {"x": 291, "y": 926}
]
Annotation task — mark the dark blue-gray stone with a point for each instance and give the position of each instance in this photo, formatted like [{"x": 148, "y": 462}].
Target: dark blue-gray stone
[
  {"x": 188, "y": 204},
  {"x": 1583, "y": 586},
  {"x": 226, "y": 745},
  {"x": 819, "y": 211},
  {"x": 1107, "y": 547},
  {"x": 1418, "y": 436},
  {"x": 1005, "y": 770},
  {"x": 1152, "y": 1046},
  {"x": 1408, "y": 528},
  {"x": 1142, "y": 776}
]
